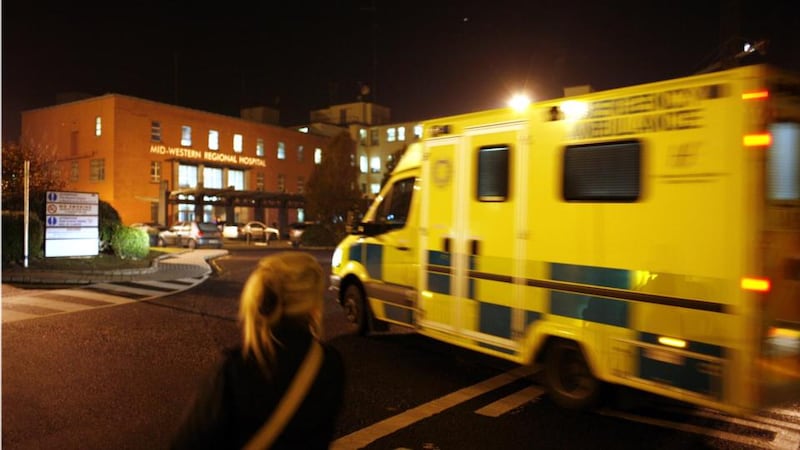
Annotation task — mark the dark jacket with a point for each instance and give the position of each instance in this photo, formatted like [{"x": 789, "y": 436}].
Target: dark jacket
[{"x": 237, "y": 400}]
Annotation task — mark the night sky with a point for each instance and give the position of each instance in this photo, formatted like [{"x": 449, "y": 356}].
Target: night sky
[{"x": 422, "y": 59}]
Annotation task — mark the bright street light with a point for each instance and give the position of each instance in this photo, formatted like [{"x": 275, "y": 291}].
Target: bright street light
[{"x": 519, "y": 102}]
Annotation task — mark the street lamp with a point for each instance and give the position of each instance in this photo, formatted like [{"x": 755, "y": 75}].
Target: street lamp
[{"x": 519, "y": 102}]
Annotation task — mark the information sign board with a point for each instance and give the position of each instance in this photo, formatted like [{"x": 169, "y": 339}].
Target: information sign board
[{"x": 71, "y": 224}]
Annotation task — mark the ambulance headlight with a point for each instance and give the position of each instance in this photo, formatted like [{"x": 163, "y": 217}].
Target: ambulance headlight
[{"x": 336, "y": 259}]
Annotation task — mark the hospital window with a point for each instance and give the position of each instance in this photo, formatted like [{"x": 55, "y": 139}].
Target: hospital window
[
  {"x": 300, "y": 153},
  {"x": 281, "y": 183},
  {"x": 391, "y": 135},
  {"x": 362, "y": 163},
  {"x": 784, "y": 162},
  {"x": 260, "y": 181},
  {"x": 301, "y": 185},
  {"x": 375, "y": 188},
  {"x": 155, "y": 171},
  {"x": 375, "y": 164},
  {"x": 374, "y": 136},
  {"x": 212, "y": 177},
  {"x": 73, "y": 171},
  {"x": 281, "y": 150},
  {"x": 603, "y": 172},
  {"x": 236, "y": 179},
  {"x": 213, "y": 140},
  {"x": 97, "y": 170},
  {"x": 401, "y": 133},
  {"x": 493, "y": 177},
  {"x": 98, "y": 126},
  {"x": 417, "y": 131},
  {"x": 237, "y": 143},
  {"x": 317, "y": 155},
  {"x": 362, "y": 136},
  {"x": 185, "y": 212},
  {"x": 259, "y": 147},
  {"x": 187, "y": 176},
  {"x": 186, "y": 136},
  {"x": 155, "y": 131}
]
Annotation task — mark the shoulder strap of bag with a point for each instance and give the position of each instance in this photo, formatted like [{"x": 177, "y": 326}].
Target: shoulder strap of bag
[{"x": 286, "y": 408}]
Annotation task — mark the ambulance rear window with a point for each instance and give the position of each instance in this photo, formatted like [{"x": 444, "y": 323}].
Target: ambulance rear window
[
  {"x": 603, "y": 172},
  {"x": 493, "y": 173}
]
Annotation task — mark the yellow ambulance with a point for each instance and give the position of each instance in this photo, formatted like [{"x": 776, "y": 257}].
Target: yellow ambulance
[{"x": 647, "y": 236}]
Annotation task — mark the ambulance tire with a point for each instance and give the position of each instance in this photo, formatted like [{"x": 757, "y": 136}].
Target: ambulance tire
[
  {"x": 569, "y": 380},
  {"x": 355, "y": 309}
]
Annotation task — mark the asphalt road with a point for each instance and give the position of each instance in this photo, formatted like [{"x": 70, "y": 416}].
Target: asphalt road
[{"x": 120, "y": 377}]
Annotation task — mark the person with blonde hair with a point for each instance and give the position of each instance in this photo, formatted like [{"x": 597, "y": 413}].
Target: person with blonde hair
[{"x": 280, "y": 314}]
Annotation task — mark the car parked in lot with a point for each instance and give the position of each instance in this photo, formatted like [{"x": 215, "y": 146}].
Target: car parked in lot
[
  {"x": 152, "y": 229},
  {"x": 191, "y": 234},
  {"x": 251, "y": 231}
]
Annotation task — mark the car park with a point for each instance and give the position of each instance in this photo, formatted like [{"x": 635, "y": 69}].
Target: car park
[
  {"x": 192, "y": 234},
  {"x": 152, "y": 229}
]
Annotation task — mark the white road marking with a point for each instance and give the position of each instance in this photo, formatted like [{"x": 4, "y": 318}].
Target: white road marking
[
  {"x": 511, "y": 402},
  {"x": 365, "y": 436}
]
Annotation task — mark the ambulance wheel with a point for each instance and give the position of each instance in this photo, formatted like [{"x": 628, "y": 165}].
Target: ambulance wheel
[
  {"x": 570, "y": 382},
  {"x": 355, "y": 310}
]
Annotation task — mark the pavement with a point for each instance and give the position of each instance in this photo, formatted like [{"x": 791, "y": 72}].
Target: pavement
[{"x": 187, "y": 264}]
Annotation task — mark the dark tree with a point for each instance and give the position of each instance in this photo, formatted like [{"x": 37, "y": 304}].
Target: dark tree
[
  {"x": 333, "y": 186},
  {"x": 45, "y": 175}
]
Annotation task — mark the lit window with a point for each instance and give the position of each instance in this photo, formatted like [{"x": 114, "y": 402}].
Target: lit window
[
  {"x": 300, "y": 153},
  {"x": 281, "y": 183},
  {"x": 187, "y": 176},
  {"x": 97, "y": 170},
  {"x": 391, "y": 135},
  {"x": 281, "y": 150},
  {"x": 417, "y": 131},
  {"x": 260, "y": 147},
  {"x": 362, "y": 163},
  {"x": 317, "y": 155},
  {"x": 186, "y": 136},
  {"x": 374, "y": 136},
  {"x": 213, "y": 140},
  {"x": 155, "y": 171},
  {"x": 375, "y": 164},
  {"x": 212, "y": 177},
  {"x": 98, "y": 126},
  {"x": 237, "y": 143},
  {"x": 155, "y": 131},
  {"x": 73, "y": 171},
  {"x": 303, "y": 129},
  {"x": 375, "y": 188},
  {"x": 401, "y": 133},
  {"x": 362, "y": 136},
  {"x": 236, "y": 179},
  {"x": 301, "y": 184}
]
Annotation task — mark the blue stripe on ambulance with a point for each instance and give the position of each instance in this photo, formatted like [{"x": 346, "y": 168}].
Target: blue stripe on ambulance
[
  {"x": 665, "y": 365},
  {"x": 588, "y": 307},
  {"x": 439, "y": 282}
]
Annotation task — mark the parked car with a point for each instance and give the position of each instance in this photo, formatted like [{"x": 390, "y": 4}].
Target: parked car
[
  {"x": 296, "y": 232},
  {"x": 192, "y": 234},
  {"x": 232, "y": 230},
  {"x": 258, "y": 231},
  {"x": 152, "y": 229}
]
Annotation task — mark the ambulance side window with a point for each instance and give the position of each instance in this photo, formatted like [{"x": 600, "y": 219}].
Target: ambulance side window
[
  {"x": 603, "y": 172},
  {"x": 493, "y": 173},
  {"x": 396, "y": 204}
]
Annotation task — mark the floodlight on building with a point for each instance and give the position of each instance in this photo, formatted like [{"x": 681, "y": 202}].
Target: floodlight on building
[{"x": 519, "y": 102}]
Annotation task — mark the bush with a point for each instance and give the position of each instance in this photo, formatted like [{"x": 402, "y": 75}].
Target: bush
[
  {"x": 130, "y": 243},
  {"x": 321, "y": 235},
  {"x": 109, "y": 221},
  {"x": 13, "y": 232}
]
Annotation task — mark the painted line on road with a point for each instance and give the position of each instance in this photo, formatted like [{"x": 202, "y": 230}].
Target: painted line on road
[
  {"x": 511, "y": 402},
  {"x": 365, "y": 436}
]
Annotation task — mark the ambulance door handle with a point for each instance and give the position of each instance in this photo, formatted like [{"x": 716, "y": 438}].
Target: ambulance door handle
[
  {"x": 446, "y": 245},
  {"x": 474, "y": 247},
  {"x": 403, "y": 248}
]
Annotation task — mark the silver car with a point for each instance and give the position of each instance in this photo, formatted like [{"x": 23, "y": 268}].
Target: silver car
[{"x": 191, "y": 234}]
